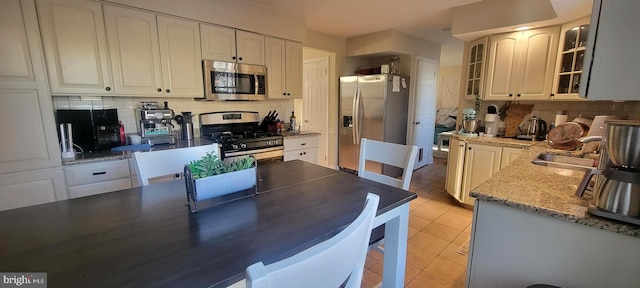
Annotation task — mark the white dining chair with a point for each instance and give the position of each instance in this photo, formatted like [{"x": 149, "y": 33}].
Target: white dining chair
[
  {"x": 154, "y": 164},
  {"x": 327, "y": 264},
  {"x": 398, "y": 155}
]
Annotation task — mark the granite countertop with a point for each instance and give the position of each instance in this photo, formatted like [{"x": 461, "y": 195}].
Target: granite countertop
[
  {"x": 497, "y": 141},
  {"x": 545, "y": 190},
  {"x": 300, "y": 134},
  {"x": 108, "y": 155}
]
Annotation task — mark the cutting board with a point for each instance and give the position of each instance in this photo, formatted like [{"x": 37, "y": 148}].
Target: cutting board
[{"x": 515, "y": 115}]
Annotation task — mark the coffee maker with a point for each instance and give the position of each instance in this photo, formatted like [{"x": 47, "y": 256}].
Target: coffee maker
[
  {"x": 616, "y": 193},
  {"x": 155, "y": 123}
]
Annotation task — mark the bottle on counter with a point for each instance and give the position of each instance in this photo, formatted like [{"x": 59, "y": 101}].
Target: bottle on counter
[
  {"x": 123, "y": 137},
  {"x": 292, "y": 122}
]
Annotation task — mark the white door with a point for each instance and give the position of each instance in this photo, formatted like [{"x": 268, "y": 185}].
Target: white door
[
  {"x": 424, "y": 110},
  {"x": 315, "y": 83}
]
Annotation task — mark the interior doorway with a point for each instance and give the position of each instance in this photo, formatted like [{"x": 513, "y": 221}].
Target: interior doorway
[
  {"x": 315, "y": 104},
  {"x": 424, "y": 104}
]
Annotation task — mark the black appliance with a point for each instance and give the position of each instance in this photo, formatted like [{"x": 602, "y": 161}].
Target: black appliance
[
  {"x": 238, "y": 134},
  {"x": 93, "y": 130}
]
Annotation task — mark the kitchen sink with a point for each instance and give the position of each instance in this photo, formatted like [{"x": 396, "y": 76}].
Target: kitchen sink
[{"x": 564, "y": 161}]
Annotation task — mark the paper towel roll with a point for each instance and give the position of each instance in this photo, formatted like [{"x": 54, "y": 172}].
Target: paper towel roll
[{"x": 560, "y": 119}]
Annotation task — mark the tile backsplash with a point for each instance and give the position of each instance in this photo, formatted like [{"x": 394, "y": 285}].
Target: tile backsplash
[{"x": 127, "y": 105}]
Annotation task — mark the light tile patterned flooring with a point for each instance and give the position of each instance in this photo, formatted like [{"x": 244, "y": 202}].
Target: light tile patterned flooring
[{"x": 438, "y": 226}]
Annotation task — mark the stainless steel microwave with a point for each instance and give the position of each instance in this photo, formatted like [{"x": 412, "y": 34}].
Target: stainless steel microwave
[{"x": 234, "y": 81}]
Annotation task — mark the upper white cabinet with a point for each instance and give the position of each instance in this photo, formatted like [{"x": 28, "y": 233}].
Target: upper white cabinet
[
  {"x": 284, "y": 64},
  {"x": 75, "y": 47},
  {"x": 153, "y": 55},
  {"x": 181, "y": 57},
  {"x": 230, "y": 45},
  {"x": 611, "y": 65},
  {"x": 521, "y": 65},
  {"x": 573, "y": 43},
  {"x": 475, "y": 65},
  {"x": 134, "y": 51}
]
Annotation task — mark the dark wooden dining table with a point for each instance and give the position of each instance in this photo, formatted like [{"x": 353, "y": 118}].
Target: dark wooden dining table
[{"x": 147, "y": 237}]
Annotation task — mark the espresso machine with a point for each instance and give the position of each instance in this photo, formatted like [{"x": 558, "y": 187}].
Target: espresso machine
[
  {"x": 155, "y": 125},
  {"x": 616, "y": 192}
]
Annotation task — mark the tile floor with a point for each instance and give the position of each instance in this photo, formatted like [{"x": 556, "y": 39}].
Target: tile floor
[{"x": 438, "y": 226}]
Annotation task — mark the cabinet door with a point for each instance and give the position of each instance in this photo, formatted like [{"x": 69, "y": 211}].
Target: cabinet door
[
  {"x": 275, "y": 60},
  {"x": 134, "y": 51},
  {"x": 181, "y": 57},
  {"x": 570, "y": 60},
  {"x": 294, "y": 70},
  {"x": 75, "y": 46},
  {"x": 17, "y": 69},
  {"x": 455, "y": 168},
  {"x": 475, "y": 68},
  {"x": 218, "y": 43},
  {"x": 503, "y": 64},
  {"x": 508, "y": 155},
  {"x": 611, "y": 65},
  {"x": 32, "y": 188},
  {"x": 538, "y": 50},
  {"x": 481, "y": 162},
  {"x": 250, "y": 48}
]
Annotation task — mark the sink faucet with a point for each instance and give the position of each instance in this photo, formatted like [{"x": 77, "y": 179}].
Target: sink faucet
[{"x": 588, "y": 139}]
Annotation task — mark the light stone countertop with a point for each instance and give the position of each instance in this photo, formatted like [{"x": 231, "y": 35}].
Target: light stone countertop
[
  {"x": 300, "y": 134},
  {"x": 545, "y": 190},
  {"x": 497, "y": 141}
]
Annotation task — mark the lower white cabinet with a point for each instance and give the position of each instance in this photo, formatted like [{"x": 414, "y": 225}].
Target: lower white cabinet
[
  {"x": 301, "y": 148},
  {"x": 471, "y": 164},
  {"x": 98, "y": 177},
  {"x": 31, "y": 188}
]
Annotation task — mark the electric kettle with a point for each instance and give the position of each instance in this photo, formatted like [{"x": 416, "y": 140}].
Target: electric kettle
[{"x": 534, "y": 128}]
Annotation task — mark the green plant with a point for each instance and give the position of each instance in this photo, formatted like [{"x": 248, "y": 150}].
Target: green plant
[{"x": 210, "y": 165}]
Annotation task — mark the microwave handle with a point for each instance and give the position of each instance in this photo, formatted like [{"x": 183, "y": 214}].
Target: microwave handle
[{"x": 255, "y": 80}]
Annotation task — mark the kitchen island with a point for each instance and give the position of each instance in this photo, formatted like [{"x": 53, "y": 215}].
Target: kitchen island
[
  {"x": 529, "y": 227},
  {"x": 146, "y": 236}
]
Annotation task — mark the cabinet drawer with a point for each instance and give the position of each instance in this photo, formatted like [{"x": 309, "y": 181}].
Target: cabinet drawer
[
  {"x": 300, "y": 143},
  {"x": 96, "y": 172},
  {"x": 99, "y": 188}
]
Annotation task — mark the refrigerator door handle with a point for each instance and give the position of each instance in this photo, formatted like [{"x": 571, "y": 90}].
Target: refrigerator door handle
[
  {"x": 354, "y": 110},
  {"x": 358, "y": 128}
]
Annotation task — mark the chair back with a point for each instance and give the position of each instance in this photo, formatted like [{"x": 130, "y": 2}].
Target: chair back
[
  {"x": 327, "y": 264},
  {"x": 398, "y": 155},
  {"x": 166, "y": 162}
]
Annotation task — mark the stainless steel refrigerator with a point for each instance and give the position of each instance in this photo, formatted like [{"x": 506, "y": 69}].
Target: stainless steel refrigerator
[{"x": 373, "y": 107}]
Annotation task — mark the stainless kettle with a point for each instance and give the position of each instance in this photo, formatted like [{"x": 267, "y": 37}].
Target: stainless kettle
[{"x": 534, "y": 128}]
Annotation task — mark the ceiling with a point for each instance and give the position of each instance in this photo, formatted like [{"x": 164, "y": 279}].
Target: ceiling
[{"x": 422, "y": 18}]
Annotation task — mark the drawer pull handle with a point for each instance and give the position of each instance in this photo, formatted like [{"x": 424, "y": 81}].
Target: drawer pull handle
[
  {"x": 100, "y": 173},
  {"x": 303, "y": 144}
]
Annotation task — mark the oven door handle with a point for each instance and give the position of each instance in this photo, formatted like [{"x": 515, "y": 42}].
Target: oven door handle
[{"x": 241, "y": 153}]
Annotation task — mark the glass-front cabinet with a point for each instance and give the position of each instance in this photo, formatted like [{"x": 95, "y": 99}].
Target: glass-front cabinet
[
  {"x": 476, "y": 59},
  {"x": 573, "y": 43}
]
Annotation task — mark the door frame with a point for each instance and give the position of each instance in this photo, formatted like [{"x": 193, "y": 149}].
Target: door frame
[{"x": 325, "y": 124}]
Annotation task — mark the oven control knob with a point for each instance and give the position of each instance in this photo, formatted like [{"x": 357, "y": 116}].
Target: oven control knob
[
  {"x": 269, "y": 142},
  {"x": 234, "y": 146},
  {"x": 242, "y": 145}
]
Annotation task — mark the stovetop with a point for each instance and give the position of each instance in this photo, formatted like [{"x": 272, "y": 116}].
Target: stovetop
[{"x": 242, "y": 141}]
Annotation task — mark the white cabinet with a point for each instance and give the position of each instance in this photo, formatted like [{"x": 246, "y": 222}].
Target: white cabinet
[
  {"x": 31, "y": 188},
  {"x": 75, "y": 47},
  {"x": 455, "y": 168},
  {"x": 153, "y": 55},
  {"x": 301, "y": 148},
  {"x": 611, "y": 64},
  {"x": 284, "y": 63},
  {"x": 480, "y": 163},
  {"x": 30, "y": 139},
  {"x": 521, "y": 65},
  {"x": 230, "y": 45},
  {"x": 181, "y": 57},
  {"x": 475, "y": 68},
  {"x": 508, "y": 155},
  {"x": 570, "y": 60},
  {"x": 98, "y": 177}
]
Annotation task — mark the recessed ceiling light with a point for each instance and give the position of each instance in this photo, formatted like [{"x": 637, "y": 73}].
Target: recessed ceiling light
[{"x": 522, "y": 28}]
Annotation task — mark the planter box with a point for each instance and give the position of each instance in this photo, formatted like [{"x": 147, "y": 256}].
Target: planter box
[{"x": 220, "y": 188}]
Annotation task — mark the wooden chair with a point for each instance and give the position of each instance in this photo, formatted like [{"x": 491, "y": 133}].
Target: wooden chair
[
  {"x": 166, "y": 162},
  {"x": 327, "y": 264},
  {"x": 398, "y": 155}
]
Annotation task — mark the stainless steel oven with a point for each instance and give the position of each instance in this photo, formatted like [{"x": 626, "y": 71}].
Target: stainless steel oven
[{"x": 234, "y": 81}]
